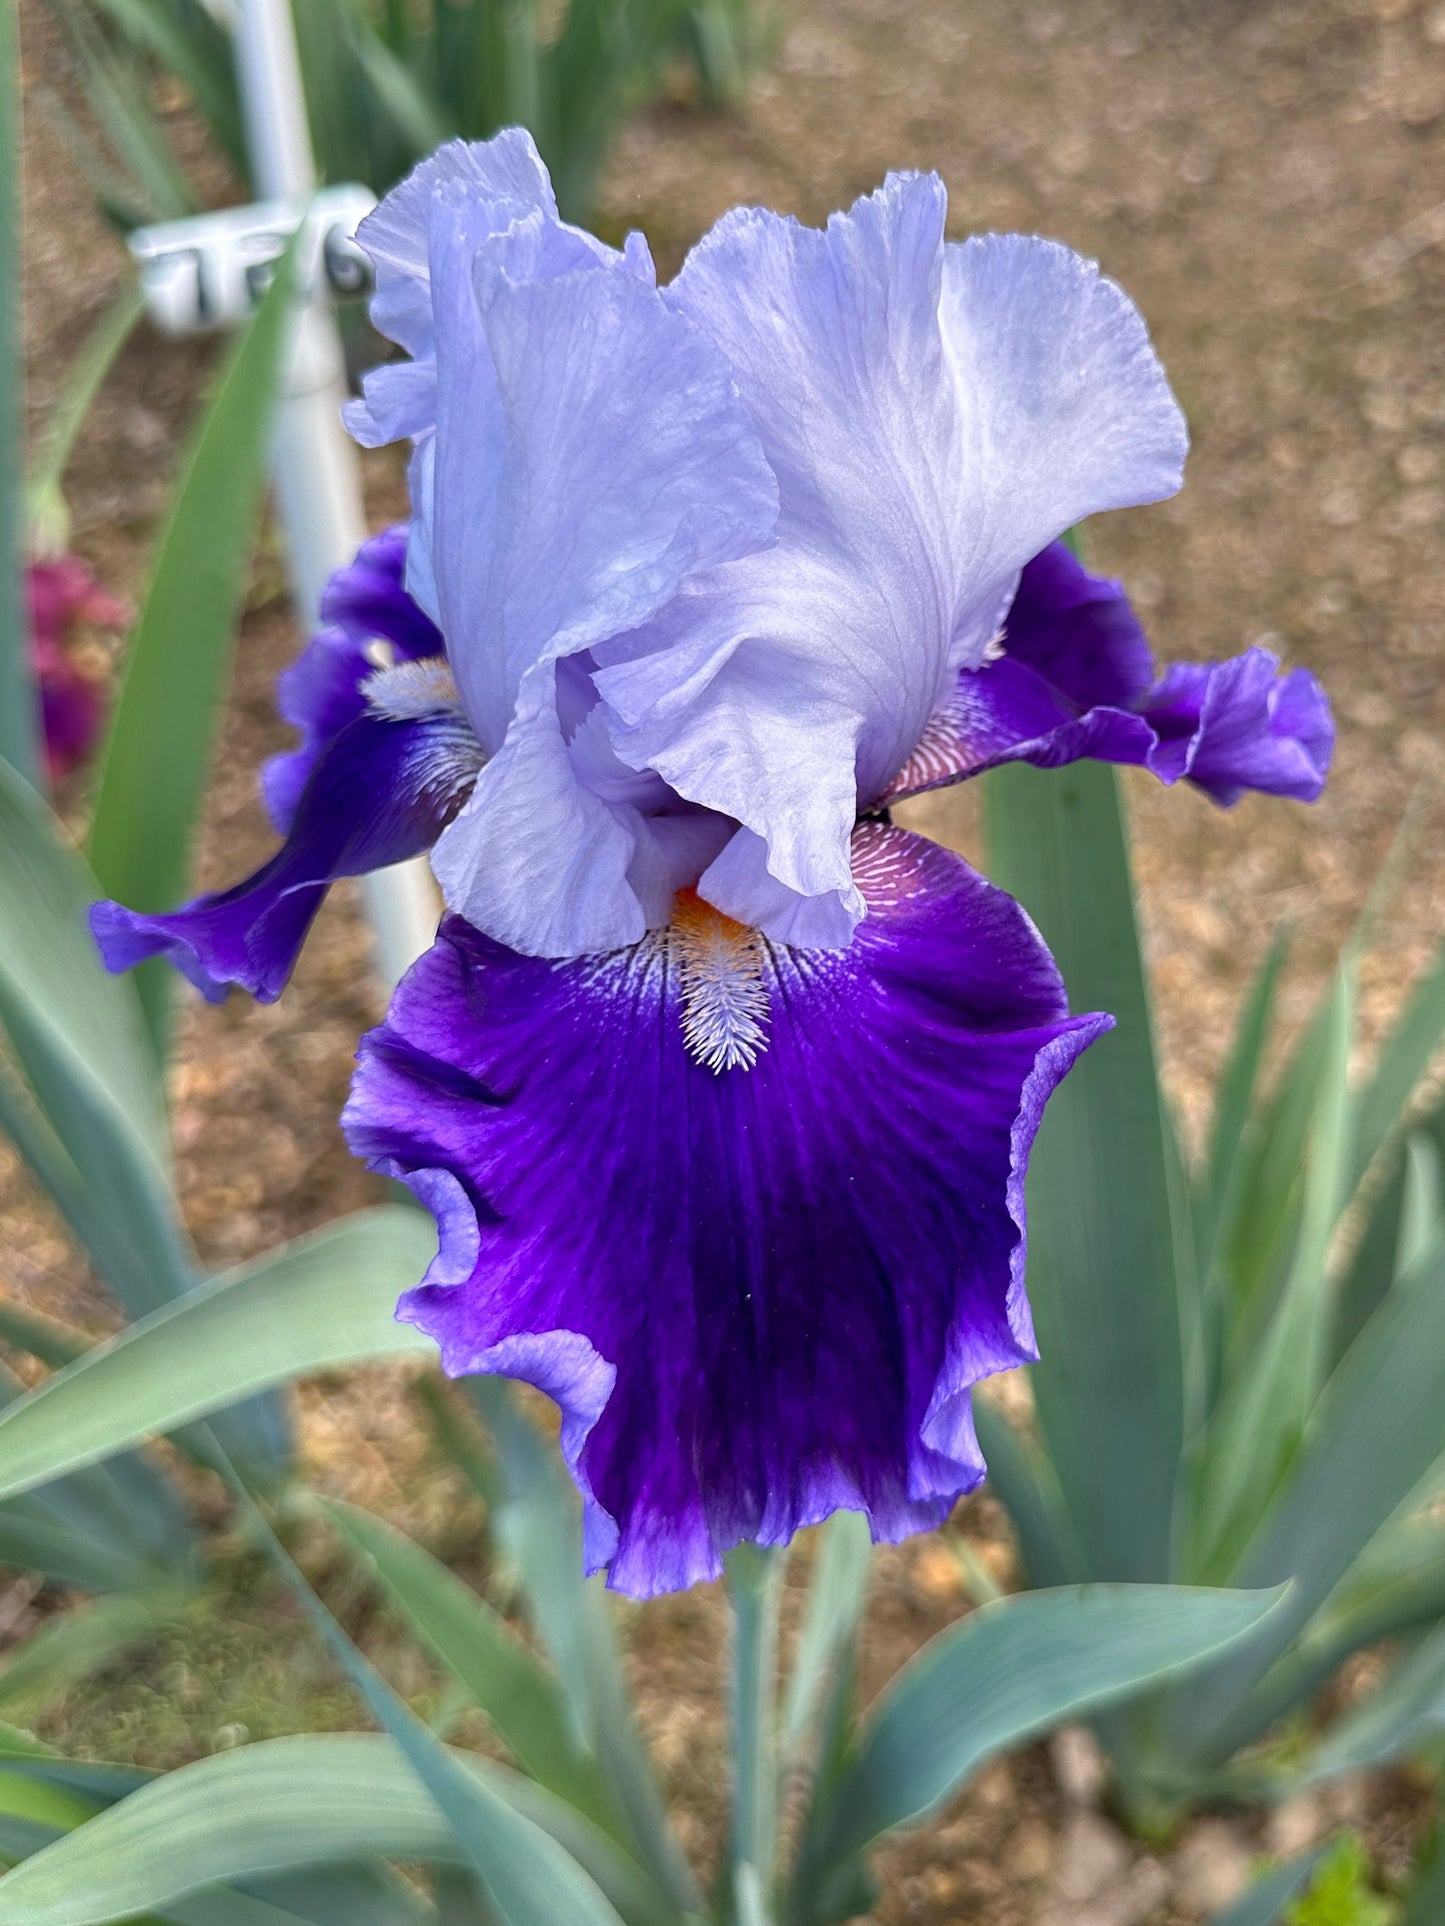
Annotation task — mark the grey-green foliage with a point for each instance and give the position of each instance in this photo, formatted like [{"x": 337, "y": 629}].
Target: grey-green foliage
[
  {"x": 1333, "y": 1885},
  {"x": 44, "y": 1797},
  {"x": 387, "y": 82},
  {"x": 727, "y": 42},
  {"x": 80, "y": 1075},
  {"x": 1264, "y": 1902},
  {"x": 79, "y": 1094},
  {"x": 578, "y": 1826},
  {"x": 1242, "y": 1361},
  {"x": 1336, "y": 1885},
  {"x": 80, "y": 1098},
  {"x": 1426, "y": 1901}
]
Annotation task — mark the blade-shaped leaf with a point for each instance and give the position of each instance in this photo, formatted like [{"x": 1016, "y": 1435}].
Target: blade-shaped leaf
[
  {"x": 274, "y": 1807},
  {"x": 49, "y": 965},
  {"x": 158, "y": 751},
  {"x": 112, "y": 1192},
  {"x": 1372, "y": 1268},
  {"x": 1403, "y": 1562},
  {"x": 41, "y": 1802},
  {"x": 194, "y": 46},
  {"x": 1007, "y": 1672},
  {"x": 1023, "y": 1481},
  {"x": 362, "y": 1895},
  {"x": 534, "y": 1520},
  {"x": 1228, "y": 1135},
  {"x": 477, "y": 1645},
  {"x": 1377, "y": 1430},
  {"x": 534, "y": 1517},
  {"x": 101, "y": 1784},
  {"x": 1272, "y": 1175},
  {"x": 835, "y": 1603},
  {"x": 1397, "y": 1585},
  {"x": 117, "y": 1246},
  {"x": 526, "y": 1876},
  {"x": 1426, "y": 1903},
  {"x": 418, "y": 121},
  {"x": 1375, "y": 1266},
  {"x": 1269, "y": 1895},
  {"x": 754, "y": 1582},
  {"x": 36, "y": 1543},
  {"x": 459, "y": 1903},
  {"x": 71, "y": 1645},
  {"x": 122, "y": 1518},
  {"x": 49, "y": 518},
  {"x": 126, "y": 1508},
  {"x": 322, "y": 1301},
  {"x": 1400, "y": 1065},
  {"x": 1423, "y": 1203},
  {"x": 1403, "y": 1714},
  {"x": 365, "y": 1895},
  {"x": 41, "y": 1336},
  {"x": 88, "y": 1118},
  {"x": 229, "y": 1906},
  {"x": 1107, "y": 1236},
  {"x": 1263, "y": 1412},
  {"x": 140, "y": 152},
  {"x": 335, "y": 88}
]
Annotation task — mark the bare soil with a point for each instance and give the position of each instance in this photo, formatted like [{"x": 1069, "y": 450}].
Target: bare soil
[{"x": 1266, "y": 180}]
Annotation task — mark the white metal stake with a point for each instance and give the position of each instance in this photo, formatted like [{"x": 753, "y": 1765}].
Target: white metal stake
[{"x": 318, "y": 482}]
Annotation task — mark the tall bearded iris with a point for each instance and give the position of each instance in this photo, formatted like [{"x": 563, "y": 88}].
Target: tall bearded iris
[{"x": 721, "y": 1087}]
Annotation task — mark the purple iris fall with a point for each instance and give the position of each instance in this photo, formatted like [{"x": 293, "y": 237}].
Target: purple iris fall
[{"x": 721, "y": 1087}]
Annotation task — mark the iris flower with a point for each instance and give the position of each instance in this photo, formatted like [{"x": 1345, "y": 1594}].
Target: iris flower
[{"x": 720, "y": 1086}]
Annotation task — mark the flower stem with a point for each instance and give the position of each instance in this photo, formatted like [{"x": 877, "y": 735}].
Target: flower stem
[{"x": 754, "y": 1579}]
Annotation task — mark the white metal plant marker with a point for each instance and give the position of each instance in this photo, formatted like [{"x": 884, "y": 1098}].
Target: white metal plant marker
[{"x": 210, "y": 271}]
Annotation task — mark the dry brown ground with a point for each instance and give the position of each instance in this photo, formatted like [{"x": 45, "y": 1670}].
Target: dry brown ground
[{"x": 1266, "y": 181}]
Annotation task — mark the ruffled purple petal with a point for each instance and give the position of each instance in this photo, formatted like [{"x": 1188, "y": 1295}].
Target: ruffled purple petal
[
  {"x": 319, "y": 695},
  {"x": 1007, "y": 713},
  {"x": 380, "y": 791},
  {"x": 1238, "y": 725},
  {"x": 1079, "y": 632},
  {"x": 1076, "y": 679},
  {"x": 758, "y": 1294},
  {"x": 363, "y": 604},
  {"x": 368, "y": 599}
]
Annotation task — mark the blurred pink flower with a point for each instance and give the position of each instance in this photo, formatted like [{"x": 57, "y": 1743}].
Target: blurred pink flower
[{"x": 63, "y": 593}]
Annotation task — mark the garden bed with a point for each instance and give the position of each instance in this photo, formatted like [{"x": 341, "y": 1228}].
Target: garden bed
[{"x": 1260, "y": 178}]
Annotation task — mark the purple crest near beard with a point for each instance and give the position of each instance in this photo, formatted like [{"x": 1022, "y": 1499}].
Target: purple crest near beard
[
  {"x": 1076, "y": 678},
  {"x": 380, "y": 791},
  {"x": 757, "y": 1294},
  {"x": 364, "y": 788},
  {"x": 364, "y": 603}
]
